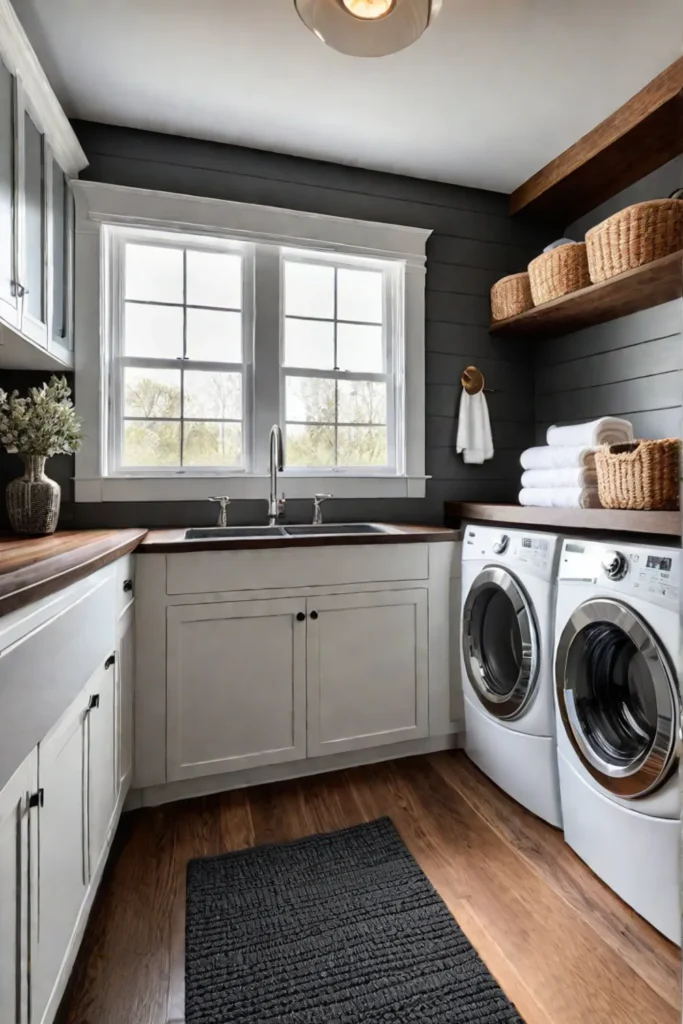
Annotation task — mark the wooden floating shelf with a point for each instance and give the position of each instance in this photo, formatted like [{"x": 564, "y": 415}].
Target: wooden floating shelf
[
  {"x": 660, "y": 524},
  {"x": 648, "y": 286},
  {"x": 642, "y": 135}
]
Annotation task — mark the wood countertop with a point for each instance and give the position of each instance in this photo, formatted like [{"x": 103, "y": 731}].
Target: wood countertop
[
  {"x": 32, "y": 568},
  {"x": 660, "y": 524},
  {"x": 173, "y": 541}
]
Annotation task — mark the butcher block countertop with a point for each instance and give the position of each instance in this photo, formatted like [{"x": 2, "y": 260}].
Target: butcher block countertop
[
  {"x": 660, "y": 524},
  {"x": 174, "y": 541},
  {"x": 34, "y": 567}
]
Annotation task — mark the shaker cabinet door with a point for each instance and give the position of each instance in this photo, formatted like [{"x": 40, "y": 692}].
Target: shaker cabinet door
[
  {"x": 8, "y": 237},
  {"x": 33, "y": 226},
  {"x": 101, "y": 759}
]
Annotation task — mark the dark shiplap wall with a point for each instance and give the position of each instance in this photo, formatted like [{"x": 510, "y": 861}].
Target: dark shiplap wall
[
  {"x": 631, "y": 367},
  {"x": 473, "y": 244}
]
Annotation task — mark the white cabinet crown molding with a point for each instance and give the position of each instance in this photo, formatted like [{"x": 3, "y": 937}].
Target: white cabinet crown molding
[{"x": 21, "y": 59}]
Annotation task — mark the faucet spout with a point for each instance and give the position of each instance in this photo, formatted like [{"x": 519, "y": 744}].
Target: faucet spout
[{"x": 276, "y": 507}]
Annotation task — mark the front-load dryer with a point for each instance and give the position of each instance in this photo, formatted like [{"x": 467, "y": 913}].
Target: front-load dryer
[
  {"x": 617, "y": 635},
  {"x": 508, "y": 580}
]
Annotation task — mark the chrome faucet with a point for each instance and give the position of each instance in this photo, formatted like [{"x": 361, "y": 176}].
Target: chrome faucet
[
  {"x": 223, "y": 510},
  {"x": 276, "y": 506},
  {"x": 318, "y": 499}
]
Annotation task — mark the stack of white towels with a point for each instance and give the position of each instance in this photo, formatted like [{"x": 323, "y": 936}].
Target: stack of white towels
[{"x": 561, "y": 474}]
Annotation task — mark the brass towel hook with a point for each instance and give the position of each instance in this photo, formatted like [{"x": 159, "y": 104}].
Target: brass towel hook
[{"x": 473, "y": 381}]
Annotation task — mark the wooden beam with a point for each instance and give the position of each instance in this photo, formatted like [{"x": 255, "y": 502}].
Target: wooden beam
[{"x": 642, "y": 135}]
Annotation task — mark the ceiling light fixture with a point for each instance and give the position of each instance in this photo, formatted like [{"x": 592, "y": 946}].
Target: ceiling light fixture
[{"x": 368, "y": 28}]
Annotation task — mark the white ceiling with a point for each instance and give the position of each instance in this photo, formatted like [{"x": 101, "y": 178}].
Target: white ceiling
[{"x": 491, "y": 92}]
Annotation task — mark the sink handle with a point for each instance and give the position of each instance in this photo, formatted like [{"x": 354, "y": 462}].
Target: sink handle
[
  {"x": 223, "y": 511},
  {"x": 318, "y": 499}
]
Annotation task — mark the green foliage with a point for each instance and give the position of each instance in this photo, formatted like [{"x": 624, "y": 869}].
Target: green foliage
[{"x": 44, "y": 423}]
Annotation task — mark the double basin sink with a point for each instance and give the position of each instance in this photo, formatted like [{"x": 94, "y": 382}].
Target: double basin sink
[{"x": 251, "y": 532}]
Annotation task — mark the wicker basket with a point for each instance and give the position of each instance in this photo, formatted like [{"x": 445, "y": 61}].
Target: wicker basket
[
  {"x": 510, "y": 296},
  {"x": 634, "y": 236},
  {"x": 642, "y": 475},
  {"x": 558, "y": 272}
]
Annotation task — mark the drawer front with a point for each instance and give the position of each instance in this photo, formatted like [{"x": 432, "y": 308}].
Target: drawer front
[
  {"x": 43, "y": 672},
  {"x": 219, "y": 572}
]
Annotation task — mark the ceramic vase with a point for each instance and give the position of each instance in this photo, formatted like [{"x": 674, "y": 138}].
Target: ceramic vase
[{"x": 33, "y": 499}]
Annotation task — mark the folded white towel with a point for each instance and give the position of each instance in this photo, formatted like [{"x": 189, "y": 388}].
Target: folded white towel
[
  {"x": 558, "y": 457},
  {"x": 560, "y": 478},
  {"x": 607, "y": 430},
  {"x": 560, "y": 497},
  {"x": 474, "y": 439},
  {"x": 558, "y": 243}
]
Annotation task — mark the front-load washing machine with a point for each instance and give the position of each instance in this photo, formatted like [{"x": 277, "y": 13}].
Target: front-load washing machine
[
  {"x": 616, "y": 636},
  {"x": 508, "y": 581}
]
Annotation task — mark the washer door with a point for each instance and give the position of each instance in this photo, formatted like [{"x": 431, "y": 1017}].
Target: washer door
[
  {"x": 618, "y": 698},
  {"x": 500, "y": 643}
]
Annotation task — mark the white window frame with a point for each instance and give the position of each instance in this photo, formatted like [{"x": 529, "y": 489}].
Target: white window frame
[{"x": 104, "y": 212}]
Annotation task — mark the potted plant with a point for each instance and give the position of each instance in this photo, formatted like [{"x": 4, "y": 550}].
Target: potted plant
[{"x": 36, "y": 428}]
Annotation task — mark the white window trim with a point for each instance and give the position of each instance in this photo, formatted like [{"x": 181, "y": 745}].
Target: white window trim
[{"x": 99, "y": 204}]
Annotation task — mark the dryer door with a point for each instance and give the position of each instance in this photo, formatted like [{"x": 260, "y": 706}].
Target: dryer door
[
  {"x": 618, "y": 698},
  {"x": 500, "y": 643}
]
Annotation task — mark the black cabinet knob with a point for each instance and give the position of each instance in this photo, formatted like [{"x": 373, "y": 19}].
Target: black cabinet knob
[
  {"x": 128, "y": 586},
  {"x": 314, "y": 615},
  {"x": 300, "y": 617},
  {"x": 94, "y": 702},
  {"x": 37, "y": 799},
  {"x": 110, "y": 661}
]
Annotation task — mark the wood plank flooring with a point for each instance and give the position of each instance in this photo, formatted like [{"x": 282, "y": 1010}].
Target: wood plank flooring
[{"x": 563, "y": 947}]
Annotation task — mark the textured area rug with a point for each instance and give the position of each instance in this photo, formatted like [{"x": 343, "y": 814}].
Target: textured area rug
[{"x": 333, "y": 929}]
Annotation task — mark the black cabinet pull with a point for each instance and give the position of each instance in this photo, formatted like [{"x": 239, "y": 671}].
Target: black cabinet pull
[
  {"x": 94, "y": 702},
  {"x": 300, "y": 617},
  {"x": 314, "y": 615},
  {"x": 110, "y": 661},
  {"x": 128, "y": 586},
  {"x": 37, "y": 799}
]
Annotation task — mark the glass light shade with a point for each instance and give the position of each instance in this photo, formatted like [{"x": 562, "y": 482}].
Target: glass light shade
[{"x": 367, "y": 28}]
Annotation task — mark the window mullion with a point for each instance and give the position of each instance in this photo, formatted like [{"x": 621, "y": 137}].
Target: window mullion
[{"x": 182, "y": 366}]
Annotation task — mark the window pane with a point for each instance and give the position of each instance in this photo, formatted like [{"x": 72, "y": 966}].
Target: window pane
[
  {"x": 214, "y": 336},
  {"x": 360, "y": 349},
  {"x": 155, "y": 331},
  {"x": 155, "y": 443},
  {"x": 214, "y": 279},
  {"x": 151, "y": 394},
  {"x": 309, "y": 290},
  {"x": 213, "y": 395},
  {"x": 310, "y": 400},
  {"x": 362, "y": 401},
  {"x": 153, "y": 273},
  {"x": 310, "y": 445},
  {"x": 309, "y": 344},
  {"x": 212, "y": 444},
  {"x": 362, "y": 446},
  {"x": 359, "y": 295}
]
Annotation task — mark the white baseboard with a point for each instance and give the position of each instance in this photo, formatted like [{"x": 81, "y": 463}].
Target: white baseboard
[{"x": 152, "y": 796}]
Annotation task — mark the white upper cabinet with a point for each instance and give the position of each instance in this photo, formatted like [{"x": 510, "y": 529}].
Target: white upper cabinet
[
  {"x": 368, "y": 676},
  {"x": 39, "y": 155},
  {"x": 236, "y": 686}
]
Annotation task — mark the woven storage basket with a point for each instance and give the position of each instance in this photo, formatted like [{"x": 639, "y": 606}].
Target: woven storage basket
[
  {"x": 642, "y": 475},
  {"x": 558, "y": 272},
  {"x": 510, "y": 296},
  {"x": 634, "y": 236}
]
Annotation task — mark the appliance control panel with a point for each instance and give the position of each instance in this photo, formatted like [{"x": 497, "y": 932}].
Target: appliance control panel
[
  {"x": 646, "y": 572},
  {"x": 533, "y": 551}
]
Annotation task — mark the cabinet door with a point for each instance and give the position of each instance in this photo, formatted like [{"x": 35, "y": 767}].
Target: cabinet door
[
  {"x": 15, "y": 891},
  {"x": 32, "y": 233},
  {"x": 101, "y": 758},
  {"x": 59, "y": 261},
  {"x": 125, "y": 667},
  {"x": 8, "y": 295},
  {"x": 62, "y": 855},
  {"x": 367, "y": 670},
  {"x": 236, "y": 678}
]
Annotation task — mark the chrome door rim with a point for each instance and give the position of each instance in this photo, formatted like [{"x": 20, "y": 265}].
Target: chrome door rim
[
  {"x": 513, "y": 704},
  {"x": 650, "y": 769}
]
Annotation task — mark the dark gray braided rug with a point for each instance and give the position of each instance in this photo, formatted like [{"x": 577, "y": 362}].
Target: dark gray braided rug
[{"x": 334, "y": 929}]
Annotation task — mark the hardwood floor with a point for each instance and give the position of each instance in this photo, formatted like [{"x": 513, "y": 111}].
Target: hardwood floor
[{"x": 563, "y": 947}]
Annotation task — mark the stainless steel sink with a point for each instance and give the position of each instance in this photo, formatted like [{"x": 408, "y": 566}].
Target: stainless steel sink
[
  {"x": 226, "y": 532},
  {"x": 336, "y": 529}
]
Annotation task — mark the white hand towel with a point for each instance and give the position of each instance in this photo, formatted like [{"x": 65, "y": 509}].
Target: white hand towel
[
  {"x": 558, "y": 457},
  {"x": 607, "y": 430},
  {"x": 560, "y": 478},
  {"x": 560, "y": 497},
  {"x": 474, "y": 439}
]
